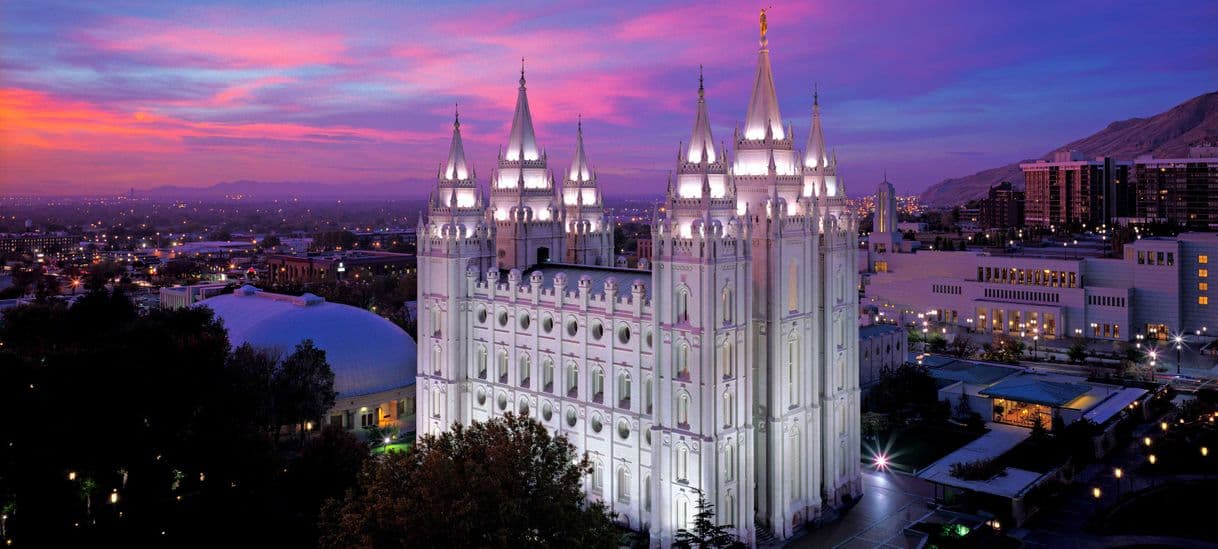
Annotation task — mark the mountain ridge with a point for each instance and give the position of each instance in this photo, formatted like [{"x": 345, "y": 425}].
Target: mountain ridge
[{"x": 1164, "y": 135}]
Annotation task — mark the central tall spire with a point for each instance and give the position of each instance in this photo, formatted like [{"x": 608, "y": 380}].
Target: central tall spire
[
  {"x": 763, "y": 119},
  {"x": 522, "y": 143}
]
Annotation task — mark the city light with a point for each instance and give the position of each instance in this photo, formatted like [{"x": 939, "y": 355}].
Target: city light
[{"x": 881, "y": 462}]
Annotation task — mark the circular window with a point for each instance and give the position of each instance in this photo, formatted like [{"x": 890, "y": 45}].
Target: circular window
[
  {"x": 547, "y": 323},
  {"x": 502, "y": 401},
  {"x": 525, "y": 321},
  {"x": 596, "y": 423},
  {"x": 503, "y": 318},
  {"x": 482, "y": 315},
  {"x": 571, "y": 419},
  {"x": 597, "y": 329},
  {"x": 572, "y": 327},
  {"x": 524, "y": 407},
  {"x": 623, "y": 334},
  {"x": 623, "y": 429},
  {"x": 481, "y": 396},
  {"x": 547, "y": 411}
]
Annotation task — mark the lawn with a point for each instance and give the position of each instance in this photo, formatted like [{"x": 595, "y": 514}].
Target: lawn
[
  {"x": 912, "y": 448},
  {"x": 1177, "y": 509},
  {"x": 395, "y": 447}
]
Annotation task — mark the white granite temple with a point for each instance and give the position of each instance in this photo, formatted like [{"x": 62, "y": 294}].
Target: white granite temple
[{"x": 729, "y": 364}]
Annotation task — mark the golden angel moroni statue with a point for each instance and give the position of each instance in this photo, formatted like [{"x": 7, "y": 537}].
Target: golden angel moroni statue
[{"x": 763, "y": 24}]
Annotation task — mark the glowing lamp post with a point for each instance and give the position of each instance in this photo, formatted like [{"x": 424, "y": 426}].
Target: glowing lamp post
[{"x": 1179, "y": 344}]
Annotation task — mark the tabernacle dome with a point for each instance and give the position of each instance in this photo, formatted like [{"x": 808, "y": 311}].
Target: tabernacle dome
[{"x": 372, "y": 358}]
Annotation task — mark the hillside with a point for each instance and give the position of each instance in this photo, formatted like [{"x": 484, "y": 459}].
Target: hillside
[{"x": 1167, "y": 134}]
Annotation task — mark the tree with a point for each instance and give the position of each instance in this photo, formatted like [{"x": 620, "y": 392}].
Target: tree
[
  {"x": 528, "y": 493},
  {"x": 1038, "y": 429},
  {"x": 706, "y": 533},
  {"x": 962, "y": 346},
  {"x": 963, "y": 408},
  {"x": 1077, "y": 352},
  {"x": 304, "y": 386}
]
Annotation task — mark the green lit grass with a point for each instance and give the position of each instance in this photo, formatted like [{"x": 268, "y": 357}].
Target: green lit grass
[{"x": 395, "y": 447}]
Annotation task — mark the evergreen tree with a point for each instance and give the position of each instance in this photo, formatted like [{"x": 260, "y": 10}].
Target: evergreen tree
[{"x": 705, "y": 532}]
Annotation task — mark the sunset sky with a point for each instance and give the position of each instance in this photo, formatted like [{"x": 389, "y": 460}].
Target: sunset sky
[{"x": 97, "y": 97}]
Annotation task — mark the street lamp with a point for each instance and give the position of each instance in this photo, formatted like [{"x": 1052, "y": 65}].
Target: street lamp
[{"x": 1179, "y": 343}]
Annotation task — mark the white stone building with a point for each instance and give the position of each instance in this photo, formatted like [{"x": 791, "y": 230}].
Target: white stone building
[{"x": 727, "y": 364}]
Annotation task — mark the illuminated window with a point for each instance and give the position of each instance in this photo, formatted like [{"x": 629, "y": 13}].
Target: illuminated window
[
  {"x": 1203, "y": 300},
  {"x": 1203, "y": 286},
  {"x": 1203, "y": 273},
  {"x": 1203, "y": 259}
]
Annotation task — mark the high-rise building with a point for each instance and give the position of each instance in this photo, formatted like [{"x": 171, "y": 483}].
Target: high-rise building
[
  {"x": 1180, "y": 191},
  {"x": 1002, "y": 208},
  {"x": 728, "y": 366},
  {"x": 1073, "y": 191}
]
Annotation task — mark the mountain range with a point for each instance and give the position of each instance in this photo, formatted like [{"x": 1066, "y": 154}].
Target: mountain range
[{"x": 1164, "y": 135}]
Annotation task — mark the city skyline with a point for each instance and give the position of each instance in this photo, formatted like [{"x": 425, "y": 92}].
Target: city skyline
[{"x": 140, "y": 96}]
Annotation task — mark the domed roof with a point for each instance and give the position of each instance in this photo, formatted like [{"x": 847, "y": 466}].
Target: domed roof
[{"x": 368, "y": 353}]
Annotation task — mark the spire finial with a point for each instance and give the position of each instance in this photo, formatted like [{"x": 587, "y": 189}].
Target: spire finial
[
  {"x": 522, "y": 72},
  {"x": 457, "y": 115},
  {"x": 579, "y": 123},
  {"x": 701, "y": 88},
  {"x": 815, "y": 94},
  {"x": 764, "y": 27}
]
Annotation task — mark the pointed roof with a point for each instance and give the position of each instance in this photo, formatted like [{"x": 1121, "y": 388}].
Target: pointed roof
[
  {"x": 763, "y": 117},
  {"x": 456, "y": 169},
  {"x": 701, "y": 143},
  {"x": 579, "y": 165},
  {"x": 522, "y": 143},
  {"x": 814, "y": 153}
]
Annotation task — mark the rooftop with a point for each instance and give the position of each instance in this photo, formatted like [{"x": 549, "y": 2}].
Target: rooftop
[
  {"x": 878, "y": 329},
  {"x": 1035, "y": 389},
  {"x": 597, "y": 275},
  {"x": 971, "y": 372}
]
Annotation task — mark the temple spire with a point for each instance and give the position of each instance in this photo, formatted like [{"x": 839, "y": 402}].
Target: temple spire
[
  {"x": 579, "y": 165},
  {"x": 814, "y": 153},
  {"x": 763, "y": 117},
  {"x": 456, "y": 169},
  {"x": 701, "y": 143},
  {"x": 522, "y": 142}
]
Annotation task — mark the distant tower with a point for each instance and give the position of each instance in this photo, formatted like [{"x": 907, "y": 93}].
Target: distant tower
[
  {"x": 884, "y": 238},
  {"x": 589, "y": 230},
  {"x": 455, "y": 244},
  {"x": 524, "y": 204}
]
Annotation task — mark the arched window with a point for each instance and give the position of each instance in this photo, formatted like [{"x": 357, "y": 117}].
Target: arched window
[
  {"x": 683, "y": 409},
  {"x": 524, "y": 367},
  {"x": 727, "y": 359},
  {"x": 435, "y": 321},
  {"x": 793, "y": 370},
  {"x": 682, "y": 465},
  {"x": 729, "y": 410},
  {"x": 623, "y": 389},
  {"x": 623, "y": 484},
  {"x": 726, "y": 304},
  {"x": 794, "y": 458},
  {"x": 598, "y": 384},
  {"x": 681, "y": 361},
  {"x": 572, "y": 380},
  {"x": 682, "y": 305},
  {"x": 682, "y": 514},
  {"x": 436, "y": 360},
  {"x": 792, "y": 287},
  {"x": 647, "y": 492},
  {"x": 503, "y": 366},
  {"x": 547, "y": 375},
  {"x": 598, "y": 477},
  {"x": 729, "y": 462},
  {"x": 436, "y": 405},
  {"x": 729, "y": 509},
  {"x": 481, "y": 362},
  {"x": 647, "y": 393}
]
